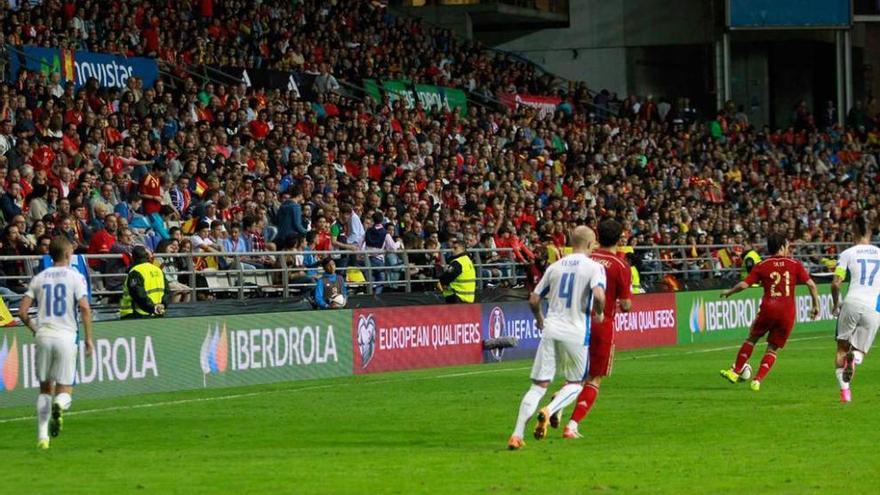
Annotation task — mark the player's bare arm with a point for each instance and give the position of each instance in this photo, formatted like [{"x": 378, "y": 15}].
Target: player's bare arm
[
  {"x": 734, "y": 290},
  {"x": 535, "y": 304},
  {"x": 86, "y": 312},
  {"x": 23, "y": 310},
  {"x": 836, "y": 282},
  {"x": 814, "y": 293},
  {"x": 599, "y": 304}
]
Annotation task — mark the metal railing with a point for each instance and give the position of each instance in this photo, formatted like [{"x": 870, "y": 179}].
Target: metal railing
[
  {"x": 201, "y": 276},
  {"x": 702, "y": 262}
]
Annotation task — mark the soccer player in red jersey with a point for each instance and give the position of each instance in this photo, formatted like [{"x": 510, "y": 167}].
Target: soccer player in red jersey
[
  {"x": 617, "y": 294},
  {"x": 778, "y": 274}
]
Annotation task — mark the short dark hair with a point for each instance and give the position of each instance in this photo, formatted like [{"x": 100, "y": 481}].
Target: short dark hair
[
  {"x": 378, "y": 217},
  {"x": 860, "y": 225},
  {"x": 58, "y": 248},
  {"x": 775, "y": 242},
  {"x": 609, "y": 233}
]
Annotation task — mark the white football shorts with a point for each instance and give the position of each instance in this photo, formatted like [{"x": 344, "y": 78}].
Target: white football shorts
[
  {"x": 56, "y": 359},
  {"x": 570, "y": 358},
  {"x": 858, "y": 324}
]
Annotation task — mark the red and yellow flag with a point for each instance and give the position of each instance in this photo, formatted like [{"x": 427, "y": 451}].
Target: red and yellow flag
[
  {"x": 201, "y": 186},
  {"x": 68, "y": 73}
]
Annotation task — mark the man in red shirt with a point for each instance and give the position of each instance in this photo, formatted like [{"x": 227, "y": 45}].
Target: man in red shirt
[
  {"x": 618, "y": 279},
  {"x": 102, "y": 241},
  {"x": 150, "y": 190},
  {"x": 779, "y": 275}
]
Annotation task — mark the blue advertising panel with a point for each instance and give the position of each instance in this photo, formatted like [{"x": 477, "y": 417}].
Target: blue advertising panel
[
  {"x": 762, "y": 14},
  {"x": 110, "y": 70},
  {"x": 512, "y": 319}
]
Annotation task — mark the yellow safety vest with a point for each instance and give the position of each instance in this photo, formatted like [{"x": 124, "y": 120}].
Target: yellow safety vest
[
  {"x": 465, "y": 285},
  {"x": 751, "y": 255},
  {"x": 154, "y": 285},
  {"x": 636, "y": 281}
]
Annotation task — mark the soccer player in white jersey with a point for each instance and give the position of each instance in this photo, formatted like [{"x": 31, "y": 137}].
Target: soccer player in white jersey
[
  {"x": 574, "y": 287},
  {"x": 859, "y": 316},
  {"x": 57, "y": 291}
]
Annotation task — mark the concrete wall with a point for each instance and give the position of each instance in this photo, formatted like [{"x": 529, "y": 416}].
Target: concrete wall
[{"x": 594, "y": 47}]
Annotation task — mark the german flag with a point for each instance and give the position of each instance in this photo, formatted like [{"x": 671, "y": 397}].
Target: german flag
[
  {"x": 68, "y": 73},
  {"x": 201, "y": 187}
]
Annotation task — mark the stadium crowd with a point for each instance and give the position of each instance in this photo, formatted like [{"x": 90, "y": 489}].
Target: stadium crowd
[{"x": 199, "y": 166}]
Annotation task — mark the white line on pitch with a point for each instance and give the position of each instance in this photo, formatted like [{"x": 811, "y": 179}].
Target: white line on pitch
[{"x": 372, "y": 382}]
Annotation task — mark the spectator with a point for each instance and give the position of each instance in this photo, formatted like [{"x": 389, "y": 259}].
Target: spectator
[
  {"x": 11, "y": 201},
  {"x": 102, "y": 242},
  {"x": 172, "y": 266},
  {"x": 290, "y": 217}
]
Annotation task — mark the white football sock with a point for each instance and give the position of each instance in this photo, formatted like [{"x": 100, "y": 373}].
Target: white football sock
[
  {"x": 63, "y": 400},
  {"x": 858, "y": 356},
  {"x": 527, "y": 408},
  {"x": 44, "y": 409},
  {"x": 566, "y": 396},
  {"x": 843, "y": 385}
]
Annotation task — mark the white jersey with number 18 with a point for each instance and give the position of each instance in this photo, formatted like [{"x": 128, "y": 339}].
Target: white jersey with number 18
[
  {"x": 57, "y": 292},
  {"x": 568, "y": 286},
  {"x": 863, "y": 263}
]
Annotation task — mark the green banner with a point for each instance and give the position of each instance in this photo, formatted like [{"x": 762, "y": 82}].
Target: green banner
[
  {"x": 432, "y": 98},
  {"x": 143, "y": 356},
  {"x": 704, "y": 317}
]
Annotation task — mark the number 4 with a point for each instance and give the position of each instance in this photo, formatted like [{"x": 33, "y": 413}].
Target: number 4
[{"x": 566, "y": 287}]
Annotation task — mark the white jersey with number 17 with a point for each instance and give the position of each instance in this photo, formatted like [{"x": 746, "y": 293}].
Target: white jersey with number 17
[
  {"x": 57, "y": 292},
  {"x": 568, "y": 286},
  {"x": 863, "y": 263}
]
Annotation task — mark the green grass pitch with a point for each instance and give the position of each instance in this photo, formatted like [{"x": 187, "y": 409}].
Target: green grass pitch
[{"x": 665, "y": 422}]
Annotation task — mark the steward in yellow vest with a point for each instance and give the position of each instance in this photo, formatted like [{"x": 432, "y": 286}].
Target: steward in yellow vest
[
  {"x": 751, "y": 259},
  {"x": 459, "y": 278},
  {"x": 144, "y": 293},
  {"x": 636, "y": 280}
]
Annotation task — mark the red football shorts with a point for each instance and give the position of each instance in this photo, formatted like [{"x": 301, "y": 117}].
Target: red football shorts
[
  {"x": 777, "y": 325},
  {"x": 601, "y": 349}
]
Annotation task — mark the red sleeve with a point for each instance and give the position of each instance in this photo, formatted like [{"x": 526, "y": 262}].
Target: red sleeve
[
  {"x": 754, "y": 275},
  {"x": 625, "y": 279}
]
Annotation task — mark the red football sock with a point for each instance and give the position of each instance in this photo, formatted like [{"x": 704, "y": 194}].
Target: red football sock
[
  {"x": 767, "y": 362},
  {"x": 584, "y": 402},
  {"x": 742, "y": 357}
]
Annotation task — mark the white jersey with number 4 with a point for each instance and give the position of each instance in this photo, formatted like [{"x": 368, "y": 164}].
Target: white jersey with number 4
[
  {"x": 57, "y": 292},
  {"x": 568, "y": 286},
  {"x": 863, "y": 263}
]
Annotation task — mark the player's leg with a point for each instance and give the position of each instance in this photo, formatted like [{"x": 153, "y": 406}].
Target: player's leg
[
  {"x": 844, "y": 350},
  {"x": 543, "y": 370},
  {"x": 758, "y": 330},
  {"x": 44, "y": 400},
  {"x": 573, "y": 361},
  {"x": 777, "y": 336},
  {"x": 63, "y": 371},
  {"x": 601, "y": 360},
  {"x": 847, "y": 326}
]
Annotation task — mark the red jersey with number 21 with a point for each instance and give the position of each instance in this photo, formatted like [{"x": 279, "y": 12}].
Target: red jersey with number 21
[{"x": 779, "y": 276}]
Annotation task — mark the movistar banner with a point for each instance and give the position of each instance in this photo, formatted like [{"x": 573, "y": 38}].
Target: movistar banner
[
  {"x": 432, "y": 98},
  {"x": 144, "y": 356},
  {"x": 703, "y": 316},
  {"x": 110, "y": 70}
]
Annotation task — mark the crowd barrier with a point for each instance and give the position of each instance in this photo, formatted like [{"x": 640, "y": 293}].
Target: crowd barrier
[{"x": 145, "y": 356}]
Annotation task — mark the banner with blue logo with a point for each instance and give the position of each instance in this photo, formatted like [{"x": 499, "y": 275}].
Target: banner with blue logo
[
  {"x": 513, "y": 319},
  {"x": 110, "y": 70}
]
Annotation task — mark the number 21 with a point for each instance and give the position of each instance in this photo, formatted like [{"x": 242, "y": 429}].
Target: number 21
[{"x": 777, "y": 278}]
